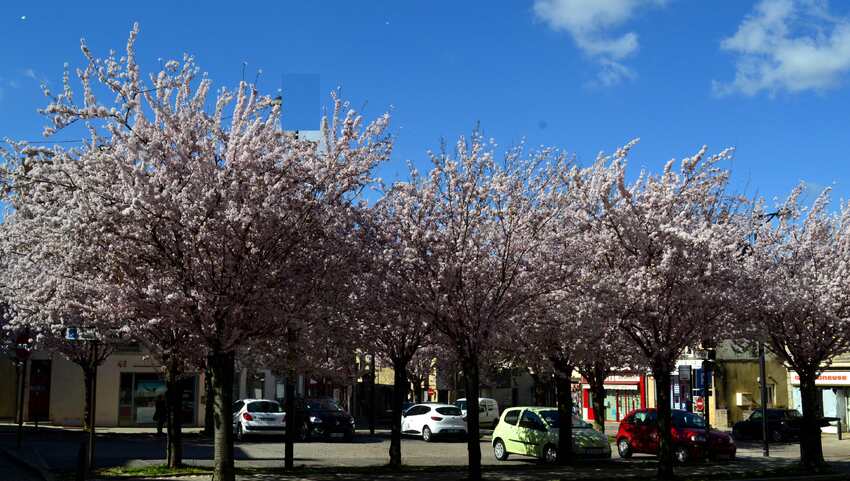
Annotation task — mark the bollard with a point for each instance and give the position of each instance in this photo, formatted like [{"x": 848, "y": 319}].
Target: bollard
[{"x": 839, "y": 429}]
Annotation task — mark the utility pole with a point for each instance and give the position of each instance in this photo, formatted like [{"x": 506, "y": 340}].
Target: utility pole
[
  {"x": 372, "y": 396},
  {"x": 763, "y": 382},
  {"x": 92, "y": 410}
]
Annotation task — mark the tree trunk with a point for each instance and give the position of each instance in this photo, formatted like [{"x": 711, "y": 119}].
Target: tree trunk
[
  {"x": 473, "y": 444},
  {"x": 293, "y": 423},
  {"x": 426, "y": 387},
  {"x": 661, "y": 372},
  {"x": 811, "y": 450},
  {"x": 221, "y": 369},
  {"x": 595, "y": 375},
  {"x": 88, "y": 378},
  {"x": 565, "y": 413},
  {"x": 173, "y": 402},
  {"x": 597, "y": 392},
  {"x": 399, "y": 391},
  {"x": 209, "y": 413}
]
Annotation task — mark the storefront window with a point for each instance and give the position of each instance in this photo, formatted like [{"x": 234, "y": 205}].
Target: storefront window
[
  {"x": 138, "y": 393},
  {"x": 147, "y": 388}
]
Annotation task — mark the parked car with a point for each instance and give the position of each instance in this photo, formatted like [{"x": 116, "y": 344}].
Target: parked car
[
  {"x": 430, "y": 420},
  {"x": 534, "y": 431},
  {"x": 488, "y": 410},
  {"x": 782, "y": 425},
  {"x": 258, "y": 416},
  {"x": 638, "y": 433},
  {"x": 322, "y": 417}
]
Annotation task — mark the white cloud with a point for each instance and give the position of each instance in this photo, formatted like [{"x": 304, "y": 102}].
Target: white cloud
[
  {"x": 788, "y": 45},
  {"x": 612, "y": 73},
  {"x": 592, "y": 25}
]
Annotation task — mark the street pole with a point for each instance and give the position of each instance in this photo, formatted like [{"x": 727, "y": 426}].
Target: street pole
[
  {"x": 706, "y": 378},
  {"x": 92, "y": 410},
  {"x": 21, "y": 394},
  {"x": 763, "y": 382},
  {"x": 372, "y": 398}
]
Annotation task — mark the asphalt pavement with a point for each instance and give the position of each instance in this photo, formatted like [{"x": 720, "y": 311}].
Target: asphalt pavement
[{"x": 58, "y": 449}]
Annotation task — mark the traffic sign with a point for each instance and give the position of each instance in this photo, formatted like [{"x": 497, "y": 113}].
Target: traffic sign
[{"x": 700, "y": 404}]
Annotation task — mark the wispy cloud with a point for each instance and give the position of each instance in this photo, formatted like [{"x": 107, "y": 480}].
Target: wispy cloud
[
  {"x": 594, "y": 26},
  {"x": 788, "y": 45}
]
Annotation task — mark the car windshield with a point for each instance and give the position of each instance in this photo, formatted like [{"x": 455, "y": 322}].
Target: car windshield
[
  {"x": 449, "y": 411},
  {"x": 323, "y": 405},
  {"x": 687, "y": 420},
  {"x": 263, "y": 407},
  {"x": 793, "y": 413},
  {"x": 460, "y": 405},
  {"x": 553, "y": 419}
]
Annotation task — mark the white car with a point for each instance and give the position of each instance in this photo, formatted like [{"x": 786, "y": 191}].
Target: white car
[
  {"x": 488, "y": 410},
  {"x": 430, "y": 420},
  {"x": 258, "y": 416}
]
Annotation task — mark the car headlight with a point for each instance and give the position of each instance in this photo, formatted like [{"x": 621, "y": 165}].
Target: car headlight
[
  {"x": 315, "y": 419},
  {"x": 351, "y": 420},
  {"x": 697, "y": 438}
]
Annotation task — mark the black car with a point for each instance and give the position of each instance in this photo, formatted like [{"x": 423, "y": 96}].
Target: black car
[
  {"x": 782, "y": 425},
  {"x": 322, "y": 417}
]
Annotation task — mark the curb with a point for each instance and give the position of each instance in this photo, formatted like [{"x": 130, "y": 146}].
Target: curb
[
  {"x": 799, "y": 477},
  {"x": 39, "y": 468}
]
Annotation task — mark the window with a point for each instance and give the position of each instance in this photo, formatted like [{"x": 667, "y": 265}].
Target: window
[
  {"x": 512, "y": 416},
  {"x": 460, "y": 405},
  {"x": 264, "y": 407},
  {"x": 756, "y": 416},
  {"x": 644, "y": 417},
  {"x": 323, "y": 405},
  {"x": 530, "y": 420},
  {"x": 449, "y": 411},
  {"x": 687, "y": 420},
  {"x": 418, "y": 410},
  {"x": 771, "y": 394},
  {"x": 237, "y": 406}
]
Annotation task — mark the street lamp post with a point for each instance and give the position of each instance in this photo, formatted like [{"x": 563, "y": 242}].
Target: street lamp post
[
  {"x": 22, "y": 353},
  {"x": 763, "y": 382}
]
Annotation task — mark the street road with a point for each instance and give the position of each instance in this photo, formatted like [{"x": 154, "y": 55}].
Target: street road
[{"x": 59, "y": 450}]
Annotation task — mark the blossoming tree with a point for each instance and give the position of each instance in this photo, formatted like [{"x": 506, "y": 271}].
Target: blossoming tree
[
  {"x": 800, "y": 267},
  {"x": 469, "y": 231},
  {"x": 673, "y": 238},
  {"x": 219, "y": 201}
]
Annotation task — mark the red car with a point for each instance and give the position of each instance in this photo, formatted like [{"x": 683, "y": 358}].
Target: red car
[{"x": 638, "y": 433}]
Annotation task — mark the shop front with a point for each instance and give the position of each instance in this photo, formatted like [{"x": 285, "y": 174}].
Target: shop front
[
  {"x": 139, "y": 392},
  {"x": 623, "y": 393},
  {"x": 834, "y": 387}
]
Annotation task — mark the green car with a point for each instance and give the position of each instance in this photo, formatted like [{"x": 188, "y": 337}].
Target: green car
[{"x": 533, "y": 431}]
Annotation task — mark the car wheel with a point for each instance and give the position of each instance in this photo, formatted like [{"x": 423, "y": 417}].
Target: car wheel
[
  {"x": 550, "y": 454},
  {"x": 240, "y": 434},
  {"x": 776, "y": 436},
  {"x": 499, "y": 450},
  {"x": 426, "y": 434},
  {"x": 624, "y": 449},
  {"x": 680, "y": 454}
]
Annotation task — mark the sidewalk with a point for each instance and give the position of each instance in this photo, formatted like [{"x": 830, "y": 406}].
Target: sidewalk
[
  {"x": 31, "y": 427},
  {"x": 632, "y": 471}
]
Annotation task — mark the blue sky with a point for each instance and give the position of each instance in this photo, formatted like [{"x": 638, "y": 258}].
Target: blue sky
[{"x": 769, "y": 78}]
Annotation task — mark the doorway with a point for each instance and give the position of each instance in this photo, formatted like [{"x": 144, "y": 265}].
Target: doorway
[{"x": 39, "y": 396}]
